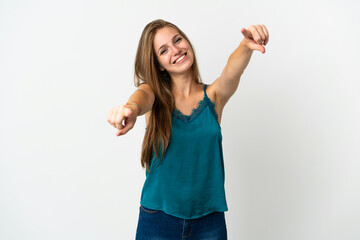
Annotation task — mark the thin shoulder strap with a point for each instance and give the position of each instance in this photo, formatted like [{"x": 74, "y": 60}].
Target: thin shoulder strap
[{"x": 205, "y": 85}]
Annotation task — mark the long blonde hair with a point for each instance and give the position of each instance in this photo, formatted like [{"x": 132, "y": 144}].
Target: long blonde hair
[{"x": 147, "y": 70}]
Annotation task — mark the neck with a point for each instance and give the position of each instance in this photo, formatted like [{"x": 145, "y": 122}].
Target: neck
[{"x": 183, "y": 85}]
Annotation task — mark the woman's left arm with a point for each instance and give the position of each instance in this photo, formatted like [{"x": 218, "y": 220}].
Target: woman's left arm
[{"x": 254, "y": 38}]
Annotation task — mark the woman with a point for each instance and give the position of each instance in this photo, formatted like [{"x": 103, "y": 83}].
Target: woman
[{"x": 183, "y": 195}]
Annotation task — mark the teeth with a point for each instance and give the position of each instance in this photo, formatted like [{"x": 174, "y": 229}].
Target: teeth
[{"x": 179, "y": 59}]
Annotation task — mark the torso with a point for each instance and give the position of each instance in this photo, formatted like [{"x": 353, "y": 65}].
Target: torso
[{"x": 186, "y": 105}]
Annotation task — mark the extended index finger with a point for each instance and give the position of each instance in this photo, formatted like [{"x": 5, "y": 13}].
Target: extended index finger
[{"x": 246, "y": 33}]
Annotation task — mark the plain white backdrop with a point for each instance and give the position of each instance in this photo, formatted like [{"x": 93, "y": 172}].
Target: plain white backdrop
[{"x": 291, "y": 131}]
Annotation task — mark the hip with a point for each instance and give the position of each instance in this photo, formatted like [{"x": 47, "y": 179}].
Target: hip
[{"x": 157, "y": 223}]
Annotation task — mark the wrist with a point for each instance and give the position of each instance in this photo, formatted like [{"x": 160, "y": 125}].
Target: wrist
[
  {"x": 137, "y": 106},
  {"x": 244, "y": 46}
]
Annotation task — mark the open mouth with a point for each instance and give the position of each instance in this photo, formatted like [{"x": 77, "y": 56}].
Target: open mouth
[{"x": 180, "y": 58}]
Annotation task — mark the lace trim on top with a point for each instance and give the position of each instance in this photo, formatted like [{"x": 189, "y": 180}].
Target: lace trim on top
[{"x": 197, "y": 110}]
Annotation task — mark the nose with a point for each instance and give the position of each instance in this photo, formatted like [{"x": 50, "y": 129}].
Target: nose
[{"x": 176, "y": 50}]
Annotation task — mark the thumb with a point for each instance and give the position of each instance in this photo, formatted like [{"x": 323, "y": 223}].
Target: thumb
[
  {"x": 118, "y": 133},
  {"x": 256, "y": 46}
]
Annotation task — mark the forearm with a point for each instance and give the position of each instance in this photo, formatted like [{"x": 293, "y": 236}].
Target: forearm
[
  {"x": 237, "y": 62},
  {"x": 142, "y": 98}
]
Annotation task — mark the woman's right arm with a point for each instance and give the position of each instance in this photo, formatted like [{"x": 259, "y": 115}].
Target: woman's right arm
[{"x": 144, "y": 97}]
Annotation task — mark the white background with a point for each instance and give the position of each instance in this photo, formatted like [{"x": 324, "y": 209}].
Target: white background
[{"x": 291, "y": 132}]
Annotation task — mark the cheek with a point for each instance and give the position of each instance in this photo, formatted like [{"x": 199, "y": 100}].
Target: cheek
[
  {"x": 163, "y": 61},
  {"x": 160, "y": 60},
  {"x": 192, "y": 55}
]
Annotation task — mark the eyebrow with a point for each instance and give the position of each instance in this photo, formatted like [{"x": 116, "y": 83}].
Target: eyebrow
[{"x": 165, "y": 44}]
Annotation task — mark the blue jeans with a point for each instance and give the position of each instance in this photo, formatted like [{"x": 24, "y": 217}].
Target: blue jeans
[{"x": 158, "y": 225}]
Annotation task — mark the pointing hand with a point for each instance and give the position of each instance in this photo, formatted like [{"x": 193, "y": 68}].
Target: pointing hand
[
  {"x": 255, "y": 37},
  {"x": 126, "y": 113}
]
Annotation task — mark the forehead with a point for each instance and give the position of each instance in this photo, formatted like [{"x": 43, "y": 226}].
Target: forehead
[{"x": 164, "y": 36}]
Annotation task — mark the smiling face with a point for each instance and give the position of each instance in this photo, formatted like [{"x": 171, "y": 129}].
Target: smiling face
[{"x": 172, "y": 50}]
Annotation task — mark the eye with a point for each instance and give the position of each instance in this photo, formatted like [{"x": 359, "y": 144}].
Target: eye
[
  {"x": 178, "y": 40},
  {"x": 163, "y": 51}
]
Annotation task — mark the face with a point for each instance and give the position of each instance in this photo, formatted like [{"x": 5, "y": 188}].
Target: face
[{"x": 173, "y": 51}]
